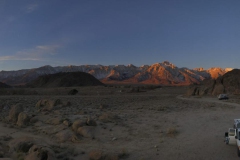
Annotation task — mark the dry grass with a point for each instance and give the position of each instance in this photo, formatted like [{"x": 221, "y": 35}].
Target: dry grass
[{"x": 172, "y": 132}]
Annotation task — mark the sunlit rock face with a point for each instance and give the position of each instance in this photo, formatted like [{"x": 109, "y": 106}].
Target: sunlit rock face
[
  {"x": 216, "y": 72},
  {"x": 158, "y": 73}
]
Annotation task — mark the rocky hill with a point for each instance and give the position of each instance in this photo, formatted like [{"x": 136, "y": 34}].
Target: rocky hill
[
  {"x": 65, "y": 79},
  {"x": 228, "y": 83},
  {"x": 164, "y": 73}
]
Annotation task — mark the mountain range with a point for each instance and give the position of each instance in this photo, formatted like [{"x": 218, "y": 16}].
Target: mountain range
[{"x": 164, "y": 73}]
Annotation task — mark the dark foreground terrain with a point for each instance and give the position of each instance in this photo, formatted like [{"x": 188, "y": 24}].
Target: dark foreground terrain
[{"x": 113, "y": 123}]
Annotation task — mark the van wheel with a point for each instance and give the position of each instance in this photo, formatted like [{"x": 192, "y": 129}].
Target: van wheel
[
  {"x": 226, "y": 142},
  {"x": 238, "y": 152}
]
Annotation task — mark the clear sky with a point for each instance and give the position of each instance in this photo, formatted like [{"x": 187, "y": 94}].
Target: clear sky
[{"x": 188, "y": 33}]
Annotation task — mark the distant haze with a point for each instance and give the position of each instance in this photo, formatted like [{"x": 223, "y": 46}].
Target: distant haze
[{"x": 189, "y": 33}]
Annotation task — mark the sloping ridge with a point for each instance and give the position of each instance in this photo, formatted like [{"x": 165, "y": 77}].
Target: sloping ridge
[
  {"x": 3, "y": 85},
  {"x": 228, "y": 83},
  {"x": 65, "y": 79}
]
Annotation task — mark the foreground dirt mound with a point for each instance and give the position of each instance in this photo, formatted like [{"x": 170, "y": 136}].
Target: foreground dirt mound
[
  {"x": 228, "y": 83},
  {"x": 65, "y": 79}
]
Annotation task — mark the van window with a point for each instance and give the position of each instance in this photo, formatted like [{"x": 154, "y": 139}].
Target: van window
[
  {"x": 238, "y": 125},
  {"x": 231, "y": 132}
]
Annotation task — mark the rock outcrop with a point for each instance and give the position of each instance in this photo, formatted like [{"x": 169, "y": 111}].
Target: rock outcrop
[
  {"x": 23, "y": 119},
  {"x": 228, "y": 83},
  {"x": 51, "y": 104},
  {"x": 14, "y": 112}
]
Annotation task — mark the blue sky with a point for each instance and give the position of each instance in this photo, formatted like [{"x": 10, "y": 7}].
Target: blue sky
[{"x": 188, "y": 33}]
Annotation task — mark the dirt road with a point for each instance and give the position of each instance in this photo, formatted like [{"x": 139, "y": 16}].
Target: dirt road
[{"x": 209, "y": 99}]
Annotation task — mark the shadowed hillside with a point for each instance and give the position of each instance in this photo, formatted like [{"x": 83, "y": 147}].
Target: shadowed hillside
[
  {"x": 3, "y": 85},
  {"x": 66, "y": 79},
  {"x": 228, "y": 83}
]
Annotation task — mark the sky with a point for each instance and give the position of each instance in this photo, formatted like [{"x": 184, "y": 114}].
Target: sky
[{"x": 187, "y": 33}]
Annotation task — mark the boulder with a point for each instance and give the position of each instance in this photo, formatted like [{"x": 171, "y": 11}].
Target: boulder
[
  {"x": 23, "y": 119},
  {"x": 33, "y": 119},
  {"x": 32, "y": 147},
  {"x": 67, "y": 123},
  {"x": 51, "y": 104},
  {"x": 96, "y": 155},
  {"x": 78, "y": 123},
  {"x": 108, "y": 117},
  {"x": 65, "y": 135},
  {"x": 37, "y": 152},
  {"x": 14, "y": 112},
  {"x": 21, "y": 144},
  {"x": 48, "y": 102},
  {"x": 86, "y": 131},
  {"x": 91, "y": 122},
  {"x": 55, "y": 121}
]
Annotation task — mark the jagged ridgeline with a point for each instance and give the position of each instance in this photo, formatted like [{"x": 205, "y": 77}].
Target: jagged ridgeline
[
  {"x": 164, "y": 73},
  {"x": 65, "y": 79}
]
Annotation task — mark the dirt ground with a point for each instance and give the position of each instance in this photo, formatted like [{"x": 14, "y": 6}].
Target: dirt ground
[{"x": 141, "y": 124}]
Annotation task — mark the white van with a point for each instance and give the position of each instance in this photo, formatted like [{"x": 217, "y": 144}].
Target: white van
[{"x": 232, "y": 137}]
